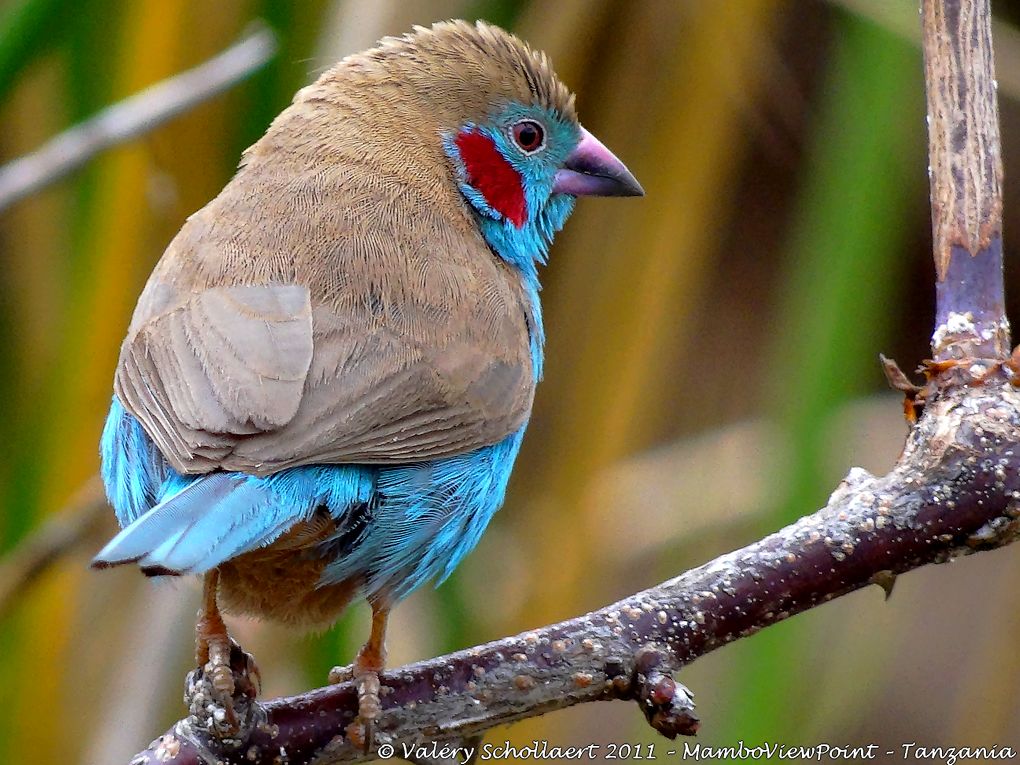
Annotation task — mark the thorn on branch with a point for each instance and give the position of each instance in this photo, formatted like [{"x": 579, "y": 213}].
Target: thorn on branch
[
  {"x": 885, "y": 579},
  {"x": 913, "y": 398}
]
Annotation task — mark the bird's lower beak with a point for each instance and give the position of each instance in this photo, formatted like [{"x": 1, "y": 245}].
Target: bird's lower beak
[{"x": 592, "y": 170}]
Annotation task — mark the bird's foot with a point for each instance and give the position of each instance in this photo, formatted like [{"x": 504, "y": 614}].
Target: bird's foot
[
  {"x": 361, "y": 732},
  {"x": 217, "y": 665},
  {"x": 365, "y": 673},
  {"x": 220, "y": 694}
]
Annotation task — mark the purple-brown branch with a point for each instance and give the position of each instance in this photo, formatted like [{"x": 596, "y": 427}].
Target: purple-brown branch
[
  {"x": 954, "y": 490},
  {"x": 965, "y": 168}
]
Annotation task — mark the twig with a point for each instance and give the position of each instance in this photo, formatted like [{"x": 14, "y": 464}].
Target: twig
[
  {"x": 966, "y": 181},
  {"x": 133, "y": 116},
  {"x": 65, "y": 530},
  {"x": 955, "y": 490}
]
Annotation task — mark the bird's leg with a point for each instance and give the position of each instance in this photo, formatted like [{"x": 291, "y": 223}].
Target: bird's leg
[
  {"x": 226, "y": 675},
  {"x": 367, "y": 666},
  {"x": 212, "y": 643}
]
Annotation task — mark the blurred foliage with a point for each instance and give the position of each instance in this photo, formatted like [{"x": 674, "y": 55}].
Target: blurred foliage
[{"x": 711, "y": 350}]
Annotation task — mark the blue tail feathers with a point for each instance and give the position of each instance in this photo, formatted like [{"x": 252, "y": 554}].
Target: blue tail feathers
[
  {"x": 176, "y": 524},
  {"x": 222, "y": 515},
  {"x": 213, "y": 519}
]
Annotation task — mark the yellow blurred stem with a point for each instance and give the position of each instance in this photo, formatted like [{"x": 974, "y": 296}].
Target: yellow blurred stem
[
  {"x": 30, "y": 114},
  {"x": 650, "y": 265},
  {"x": 97, "y": 318}
]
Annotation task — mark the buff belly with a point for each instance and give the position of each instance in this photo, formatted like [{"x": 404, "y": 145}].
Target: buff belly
[{"x": 283, "y": 582}]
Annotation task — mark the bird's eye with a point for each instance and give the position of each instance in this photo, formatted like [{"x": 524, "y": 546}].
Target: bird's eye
[{"x": 528, "y": 135}]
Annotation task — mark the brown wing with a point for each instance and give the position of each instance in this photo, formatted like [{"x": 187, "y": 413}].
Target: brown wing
[
  {"x": 223, "y": 362},
  {"x": 242, "y": 378},
  {"x": 364, "y": 321},
  {"x": 375, "y": 394}
]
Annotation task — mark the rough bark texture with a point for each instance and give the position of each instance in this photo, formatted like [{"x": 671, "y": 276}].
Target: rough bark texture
[{"x": 965, "y": 169}]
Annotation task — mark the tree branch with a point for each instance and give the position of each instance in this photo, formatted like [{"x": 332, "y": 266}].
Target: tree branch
[
  {"x": 85, "y": 512},
  {"x": 954, "y": 490},
  {"x": 965, "y": 169},
  {"x": 133, "y": 117}
]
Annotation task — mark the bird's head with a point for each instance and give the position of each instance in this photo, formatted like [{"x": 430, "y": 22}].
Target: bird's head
[
  {"x": 497, "y": 118},
  {"x": 519, "y": 153}
]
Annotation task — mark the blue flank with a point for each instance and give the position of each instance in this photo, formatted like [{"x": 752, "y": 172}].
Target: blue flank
[
  {"x": 424, "y": 519},
  {"x": 417, "y": 522},
  {"x": 133, "y": 470}
]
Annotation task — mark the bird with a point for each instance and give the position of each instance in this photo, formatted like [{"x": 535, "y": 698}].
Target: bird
[{"x": 328, "y": 375}]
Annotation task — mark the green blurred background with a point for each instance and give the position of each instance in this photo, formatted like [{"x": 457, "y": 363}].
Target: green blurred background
[{"x": 712, "y": 362}]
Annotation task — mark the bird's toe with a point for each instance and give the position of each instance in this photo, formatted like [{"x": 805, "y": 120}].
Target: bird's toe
[
  {"x": 341, "y": 674},
  {"x": 361, "y": 732}
]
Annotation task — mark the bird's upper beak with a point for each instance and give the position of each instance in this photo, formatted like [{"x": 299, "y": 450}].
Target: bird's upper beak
[{"x": 592, "y": 170}]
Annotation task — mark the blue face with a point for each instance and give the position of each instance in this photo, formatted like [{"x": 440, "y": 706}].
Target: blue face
[
  {"x": 515, "y": 131},
  {"x": 506, "y": 167}
]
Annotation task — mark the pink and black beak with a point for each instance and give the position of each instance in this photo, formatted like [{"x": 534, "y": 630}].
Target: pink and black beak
[{"x": 592, "y": 170}]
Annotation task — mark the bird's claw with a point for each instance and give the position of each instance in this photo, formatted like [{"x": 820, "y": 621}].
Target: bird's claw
[
  {"x": 361, "y": 731},
  {"x": 218, "y": 670},
  {"x": 220, "y": 693}
]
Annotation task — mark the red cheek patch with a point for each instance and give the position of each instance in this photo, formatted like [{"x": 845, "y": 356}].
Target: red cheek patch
[{"x": 493, "y": 177}]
